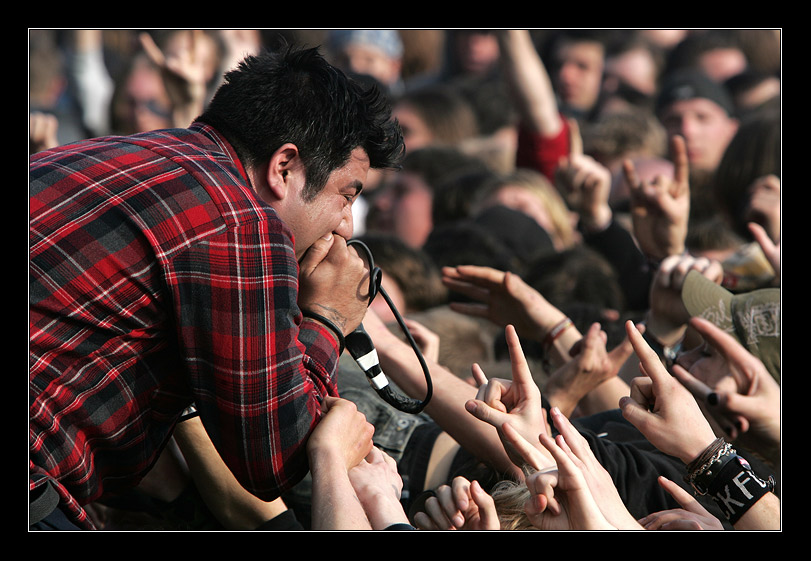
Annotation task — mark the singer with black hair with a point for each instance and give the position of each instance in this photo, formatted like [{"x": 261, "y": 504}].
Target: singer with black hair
[{"x": 204, "y": 265}]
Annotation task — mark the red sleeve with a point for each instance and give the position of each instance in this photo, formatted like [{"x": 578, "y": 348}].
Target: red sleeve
[{"x": 542, "y": 153}]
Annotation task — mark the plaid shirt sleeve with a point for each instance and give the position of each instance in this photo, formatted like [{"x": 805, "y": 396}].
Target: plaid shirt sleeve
[
  {"x": 158, "y": 279},
  {"x": 256, "y": 367}
]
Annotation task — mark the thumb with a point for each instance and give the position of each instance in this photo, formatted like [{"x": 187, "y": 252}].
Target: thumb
[
  {"x": 634, "y": 413},
  {"x": 736, "y": 407},
  {"x": 620, "y": 354},
  {"x": 699, "y": 389},
  {"x": 487, "y": 510},
  {"x": 316, "y": 253},
  {"x": 485, "y": 413}
]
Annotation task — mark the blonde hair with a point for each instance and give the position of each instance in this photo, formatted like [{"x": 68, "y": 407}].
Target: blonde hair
[
  {"x": 510, "y": 497},
  {"x": 563, "y": 231}
]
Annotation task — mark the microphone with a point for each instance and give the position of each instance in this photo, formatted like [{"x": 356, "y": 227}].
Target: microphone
[
  {"x": 360, "y": 346},
  {"x": 362, "y": 349}
]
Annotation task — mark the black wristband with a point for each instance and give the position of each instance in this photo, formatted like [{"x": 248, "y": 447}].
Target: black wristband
[
  {"x": 736, "y": 488},
  {"x": 321, "y": 319}
]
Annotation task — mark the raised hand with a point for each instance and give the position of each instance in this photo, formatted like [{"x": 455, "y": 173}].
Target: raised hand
[
  {"x": 601, "y": 488},
  {"x": 462, "y": 505},
  {"x": 184, "y": 75},
  {"x": 667, "y": 317},
  {"x": 660, "y": 209},
  {"x": 517, "y": 401},
  {"x": 42, "y": 131},
  {"x": 426, "y": 340},
  {"x": 591, "y": 365},
  {"x": 771, "y": 249},
  {"x": 560, "y": 498},
  {"x": 584, "y": 183},
  {"x": 503, "y": 298},
  {"x": 749, "y": 410},
  {"x": 662, "y": 408}
]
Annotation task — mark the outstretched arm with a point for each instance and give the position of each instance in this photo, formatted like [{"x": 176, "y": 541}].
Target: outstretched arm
[
  {"x": 340, "y": 441},
  {"x": 504, "y": 298},
  {"x": 233, "y": 506},
  {"x": 529, "y": 83},
  {"x": 450, "y": 394}
]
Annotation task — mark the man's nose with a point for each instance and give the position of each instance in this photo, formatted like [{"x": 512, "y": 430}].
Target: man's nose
[{"x": 347, "y": 226}]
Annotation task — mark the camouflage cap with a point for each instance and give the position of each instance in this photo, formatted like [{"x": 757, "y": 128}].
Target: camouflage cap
[{"x": 753, "y": 318}]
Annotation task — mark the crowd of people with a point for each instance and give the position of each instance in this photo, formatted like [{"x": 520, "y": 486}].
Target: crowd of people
[{"x": 579, "y": 229}]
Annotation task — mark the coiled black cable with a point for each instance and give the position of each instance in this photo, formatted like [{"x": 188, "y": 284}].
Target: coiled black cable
[{"x": 360, "y": 346}]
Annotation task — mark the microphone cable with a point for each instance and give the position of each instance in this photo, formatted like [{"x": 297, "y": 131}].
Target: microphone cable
[{"x": 360, "y": 346}]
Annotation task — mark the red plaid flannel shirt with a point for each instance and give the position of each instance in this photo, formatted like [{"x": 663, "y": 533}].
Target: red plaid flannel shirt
[{"x": 158, "y": 279}]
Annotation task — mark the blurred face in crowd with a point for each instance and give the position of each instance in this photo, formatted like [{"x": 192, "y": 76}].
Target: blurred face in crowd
[
  {"x": 708, "y": 365},
  {"x": 580, "y": 73},
  {"x": 146, "y": 103},
  {"x": 664, "y": 38},
  {"x": 477, "y": 52},
  {"x": 520, "y": 199},
  {"x": 404, "y": 208},
  {"x": 706, "y": 128},
  {"x": 635, "y": 67},
  {"x": 720, "y": 64},
  {"x": 371, "y": 61},
  {"x": 416, "y": 132}
]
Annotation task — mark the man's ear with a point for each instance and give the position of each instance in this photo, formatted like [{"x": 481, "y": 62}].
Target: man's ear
[{"x": 285, "y": 171}]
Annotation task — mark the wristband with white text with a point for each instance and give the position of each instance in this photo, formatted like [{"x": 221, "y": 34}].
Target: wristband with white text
[{"x": 736, "y": 488}]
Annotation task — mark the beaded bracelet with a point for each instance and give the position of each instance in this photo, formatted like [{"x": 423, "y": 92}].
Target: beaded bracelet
[
  {"x": 338, "y": 333},
  {"x": 702, "y": 464}
]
